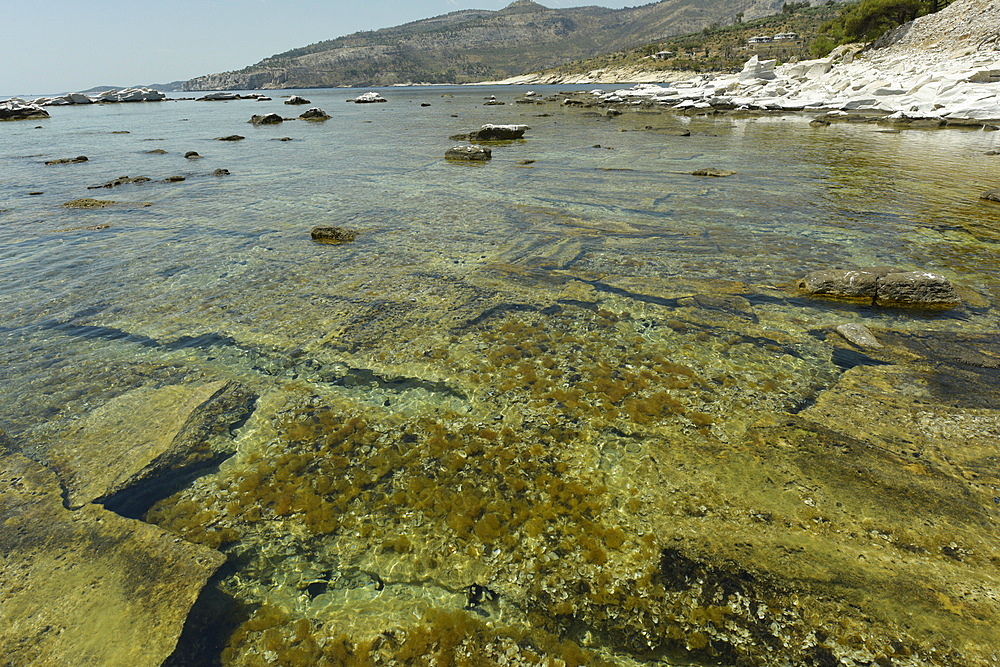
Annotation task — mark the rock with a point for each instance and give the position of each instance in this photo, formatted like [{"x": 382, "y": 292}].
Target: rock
[
  {"x": 283, "y": 139},
  {"x": 992, "y": 195},
  {"x": 221, "y": 172},
  {"x": 222, "y": 96},
  {"x": 18, "y": 109},
  {"x": 474, "y": 152},
  {"x": 192, "y": 155},
  {"x": 425, "y": 104},
  {"x": 121, "y": 180},
  {"x": 263, "y": 99},
  {"x": 88, "y": 587},
  {"x": 63, "y": 100},
  {"x": 369, "y": 98},
  {"x": 882, "y": 285},
  {"x": 231, "y": 137},
  {"x": 315, "y": 114},
  {"x": 90, "y": 203},
  {"x": 142, "y": 435},
  {"x": 717, "y": 173},
  {"x": 755, "y": 68},
  {"x": 131, "y": 95},
  {"x": 174, "y": 179},
  {"x": 70, "y": 160},
  {"x": 496, "y": 133},
  {"x": 266, "y": 119},
  {"x": 157, "y": 151},
  {"x": 858, "y": 334},
  {"x": 296, "y": 100},
  {"x": 335, "y": 235}
]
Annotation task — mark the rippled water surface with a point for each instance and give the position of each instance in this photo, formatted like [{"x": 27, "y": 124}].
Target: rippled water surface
[{"x": 529, "y": 403}]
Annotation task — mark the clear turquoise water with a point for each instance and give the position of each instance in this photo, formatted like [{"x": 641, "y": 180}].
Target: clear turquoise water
[{"x": 218, "y": 277}]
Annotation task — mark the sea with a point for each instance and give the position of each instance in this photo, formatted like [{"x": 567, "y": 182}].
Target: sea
[{"x": 518, "y": 416}]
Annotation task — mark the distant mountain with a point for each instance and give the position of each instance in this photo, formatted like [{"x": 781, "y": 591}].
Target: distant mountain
[{"x": 477, "y": 45}]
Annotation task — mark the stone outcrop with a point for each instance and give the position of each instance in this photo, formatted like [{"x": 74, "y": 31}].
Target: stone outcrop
[
  {"x": 18, "y": 109},
  {"x": 882, "y": 285},
  {"x": 142, "y": 435},
  {"x": 131, "y": 95},
  {"x": 220, "y": 96},
  {"x": 231, "y": 137},
  {"x": 266, "y": 119},
  {"x": 492, "y": 132},
  {"x": 473, "y": 153},
  {"x": 315, "y": 114},
  {"x": 941, "y": 66},
  {"x": 992, "y": 195},
  {"x": 369, "y": 98},
  {"x": 295, "y": 100},
  {"x": 88, "y": 587}
]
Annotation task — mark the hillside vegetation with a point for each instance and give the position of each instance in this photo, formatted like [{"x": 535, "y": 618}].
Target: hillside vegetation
[{"x": 476, "y": 45}]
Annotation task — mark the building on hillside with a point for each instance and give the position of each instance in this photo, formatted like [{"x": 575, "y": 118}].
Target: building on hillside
[
  {"x": 760, "y": 39},
  {"x": 662, "y": 55},
  {"x": 786, "y": 37}
]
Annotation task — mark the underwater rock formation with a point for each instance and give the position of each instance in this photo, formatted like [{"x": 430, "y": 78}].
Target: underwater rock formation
[
  {"x": 474, "y": 153},
  {"x": 88, "y": 587},
  {"x": 144, "y": 434}
]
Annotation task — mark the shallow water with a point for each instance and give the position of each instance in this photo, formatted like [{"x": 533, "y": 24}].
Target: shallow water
[{"x": 588, "y": 313}]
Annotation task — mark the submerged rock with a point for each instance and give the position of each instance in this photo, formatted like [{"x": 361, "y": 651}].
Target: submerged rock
[
  {"x": 121, "y": 180},
  {"x": 992, "y": 195},
  {"x": 86, "y": 202},
  {"x": 69, "y": 160},
  {"x": 858, "y": 334},
  {"x": 174, "y": 179},
  {"x": 296, "y": 100},
  {"x": 475, "y": 153},
  {"x": 192, "y": 155},
  {"x": 333, "y": 234},
  {"x": 882, "y": 285},
  {"x": 231, "y": 137},
  {"x": 88, "y": 587},
  {"x": 315, "y": 114},
  {"x": 717, "y": 173},
  {"x": 142, "y": 435}
]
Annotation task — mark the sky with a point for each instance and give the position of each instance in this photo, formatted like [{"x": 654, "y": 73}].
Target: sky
[{"x": 58, "y": 46}]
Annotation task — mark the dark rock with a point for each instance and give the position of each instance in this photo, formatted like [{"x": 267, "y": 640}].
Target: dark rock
[
  {"x": 315, "y": 114},
  {"x": 231, "y": 137},
  {"x": 157, "y": 151},
  {"x": 611, "y": 113},
  {"x": 497, "y": 133},
  {"x": 192, "y": 155},
  {"x": 882, "y": 285},
  {"x": 121, "y": 180},
  {"x": 266, "y": 119},
  {"x": 296, "y": 99},
  {"x": 716, "y": 173},
  {"x": 474, "y": 152},
  {"x": 992, "y": 195},
  {"x": 283, "y": 139},
  {"x": 174, "y": 179},
  {"x": 221, "y": 172},
  {"x": 69, "y": 160},
  {"x": 36, "y": 193},
  {"x": 18, "y": 110},
  {"x": 333, "y": 235},
  {"x": 425, "y": 104}
]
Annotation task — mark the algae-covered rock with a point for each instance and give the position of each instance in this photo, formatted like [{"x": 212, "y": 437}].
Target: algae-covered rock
[
  {"x": 335, "y": 235},
  {"x": 88, "y": 587},
  {"x": 143, "y": 434},
  {"x": 473, "y": 153},
  {"x": 883, "y": 285}
]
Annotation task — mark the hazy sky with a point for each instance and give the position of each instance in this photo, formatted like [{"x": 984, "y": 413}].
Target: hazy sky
[{"x": 55, "y": 46}]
